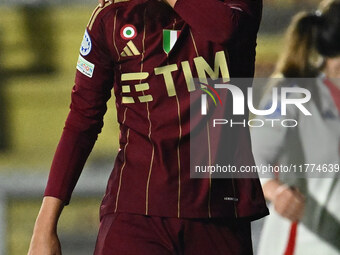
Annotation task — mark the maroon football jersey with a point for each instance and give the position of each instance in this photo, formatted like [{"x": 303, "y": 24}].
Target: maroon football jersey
[{"x": 148, "y": 53}]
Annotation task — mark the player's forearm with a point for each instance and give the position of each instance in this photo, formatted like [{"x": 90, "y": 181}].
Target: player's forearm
[
  {"x": 72, "y": 152},
  {"x": 48, "y": 216}
]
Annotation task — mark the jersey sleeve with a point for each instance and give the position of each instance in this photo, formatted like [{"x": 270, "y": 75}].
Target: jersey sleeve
[
  {"x": 92, "y": 89},
  {"x": 217, "y": 20}
]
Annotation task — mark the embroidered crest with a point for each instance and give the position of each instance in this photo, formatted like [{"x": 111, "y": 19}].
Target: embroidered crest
[{"x": 169, "y": 39}]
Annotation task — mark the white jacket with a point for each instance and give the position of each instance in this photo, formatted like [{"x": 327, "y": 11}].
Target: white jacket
[{"x": 316, "y": 140}]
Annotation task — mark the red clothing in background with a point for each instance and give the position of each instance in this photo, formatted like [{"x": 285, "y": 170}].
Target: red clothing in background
[{"x": 335, "y": 92}]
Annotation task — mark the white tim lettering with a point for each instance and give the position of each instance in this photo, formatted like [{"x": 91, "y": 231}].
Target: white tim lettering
[
  {"x": 169, "y": 82},
  {"x": 220, "y": 65}
]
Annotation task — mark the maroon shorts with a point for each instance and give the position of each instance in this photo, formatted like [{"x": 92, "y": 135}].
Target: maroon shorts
[{"x": 131, "y": 234}]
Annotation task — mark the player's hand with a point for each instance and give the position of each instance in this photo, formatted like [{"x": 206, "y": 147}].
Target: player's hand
[
  {"x": 42, "y": 243},
  {"x": 289, "y": 203},
  {"x": 45, "y": 240},
  {"x": 102, "y": 2}
]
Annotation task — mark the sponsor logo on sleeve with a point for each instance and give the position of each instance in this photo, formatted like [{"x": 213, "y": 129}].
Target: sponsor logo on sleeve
[
  {"x": 86, "y": 45},
  {"x": 85, "y": 67}
]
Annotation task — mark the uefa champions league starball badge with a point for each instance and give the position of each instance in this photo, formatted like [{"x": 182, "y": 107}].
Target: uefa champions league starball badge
[
  {"x": 86, "y": 44},
  {"x": 128, "y": 32}
]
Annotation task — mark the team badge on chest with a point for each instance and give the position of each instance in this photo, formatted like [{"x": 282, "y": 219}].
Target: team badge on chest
[
  {"x": 128, "y": 32},
  {"x": 169, "y": 39}
]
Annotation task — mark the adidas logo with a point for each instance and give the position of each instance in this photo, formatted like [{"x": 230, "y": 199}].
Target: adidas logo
[{"x": 130, "y": 50}]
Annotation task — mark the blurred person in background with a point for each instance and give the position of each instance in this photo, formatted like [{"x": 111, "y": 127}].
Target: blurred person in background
[
  {"x": 305, "y": 215},
  {"x": 145, "y": 50}
]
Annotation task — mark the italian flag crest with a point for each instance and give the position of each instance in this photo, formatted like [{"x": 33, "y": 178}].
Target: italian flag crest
[{"x": 169, "y": 39}]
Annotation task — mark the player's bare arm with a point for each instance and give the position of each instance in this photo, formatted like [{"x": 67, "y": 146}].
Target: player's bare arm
[{"x": 45, "y": 239}]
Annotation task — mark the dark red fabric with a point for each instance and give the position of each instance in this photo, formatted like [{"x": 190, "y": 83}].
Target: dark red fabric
[
  {"x": 151, "y": 173},
  {"x": 128, "y": 234}
]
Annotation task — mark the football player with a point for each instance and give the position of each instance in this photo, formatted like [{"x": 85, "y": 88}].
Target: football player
[{"x": 148, "y": 52}]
